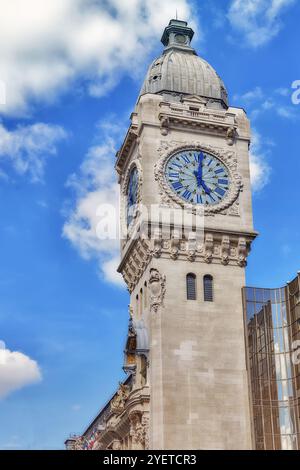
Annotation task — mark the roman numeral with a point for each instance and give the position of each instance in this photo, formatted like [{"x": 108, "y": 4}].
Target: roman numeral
[
  {"x": 225, "y": 182},
  {"x": 199, "y": 199},
  {"x": 220, "y": 191},
  {"x": 187, "y": 194},
  {"x": 186, "y": 158},
  {"x": 177, "y": 185},
  {"x": 176, "y": 164}
]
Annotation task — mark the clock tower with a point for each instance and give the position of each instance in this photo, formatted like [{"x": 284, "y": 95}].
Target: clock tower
[{"x": 186, "y": 219}]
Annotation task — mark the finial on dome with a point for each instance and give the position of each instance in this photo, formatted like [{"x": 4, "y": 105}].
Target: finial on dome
[{"x": 177, "y": 34}]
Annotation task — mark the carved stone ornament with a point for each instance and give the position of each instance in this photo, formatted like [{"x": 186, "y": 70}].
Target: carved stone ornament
[
  {"x": 227, "y": 157},
  {"x": 145, "y": 424},
  {"x": 157, "y": 287},
  {"x": 242, "y": 252},
  {"x": 225, "y": 250},
  {"x": 139, "y": 430},
  {"x": 116, "y": 444},
  {"x": 231, "y": 134},
  {"x": 174, "y": 245},
  {"x": 208, "y": 248},
  {"x": 117, "y": 404},
  {"x": 136, "y": 429}
]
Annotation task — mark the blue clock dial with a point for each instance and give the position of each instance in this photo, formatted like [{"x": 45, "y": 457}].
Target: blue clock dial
[
  {"x": 132, "y": 192},
  {"x": 197, "y": 177}
]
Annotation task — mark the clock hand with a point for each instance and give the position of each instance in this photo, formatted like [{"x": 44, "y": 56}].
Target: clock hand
[
  {"x": 206, "y": 189},
  {"x": 199, "y": 173}
]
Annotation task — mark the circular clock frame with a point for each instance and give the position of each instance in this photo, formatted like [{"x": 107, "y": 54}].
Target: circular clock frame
[{"x": 226, "y": 158}]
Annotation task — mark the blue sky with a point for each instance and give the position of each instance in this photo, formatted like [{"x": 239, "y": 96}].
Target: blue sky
[{"x": 70, "y": 73}]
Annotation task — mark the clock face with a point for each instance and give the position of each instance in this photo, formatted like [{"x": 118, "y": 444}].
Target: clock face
[
  {"x": 132, "y": 194},
  {"x": 197, "y": 177}
]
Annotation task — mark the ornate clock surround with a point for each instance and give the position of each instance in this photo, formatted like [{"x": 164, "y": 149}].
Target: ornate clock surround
[{"x": 228, "y": 158}]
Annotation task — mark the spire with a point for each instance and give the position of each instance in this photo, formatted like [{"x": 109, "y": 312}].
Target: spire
[{"x": 177, "y": 35}]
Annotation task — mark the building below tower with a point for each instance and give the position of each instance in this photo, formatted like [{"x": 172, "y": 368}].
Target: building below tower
[{"x": 272, "y": 318}]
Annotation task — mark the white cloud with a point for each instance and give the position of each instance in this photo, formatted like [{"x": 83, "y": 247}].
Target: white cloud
[
  {"x": 76, "y": 407},
  {"x": 45, "y": 45},
  {"x": 27, "y": 148},
  {"x": 259, "y": 101},
  {"x": 257, "y": 20},
  {"x": 16, "y": 371},
  {"x": 251, "y": 95},
  {"x": 286, "y": 112},
  {"x": 259, "y": 168},
  {"x": 96, "y": 198},
  {"x": 283, "y": 91}
]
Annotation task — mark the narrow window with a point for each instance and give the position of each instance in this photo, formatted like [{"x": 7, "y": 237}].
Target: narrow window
[
  {"x": 191, "y": 286},
  {"x": 145, "y": 295},
  {"x": 141, "y": 303},
  {"x": 208, "y": 288}
]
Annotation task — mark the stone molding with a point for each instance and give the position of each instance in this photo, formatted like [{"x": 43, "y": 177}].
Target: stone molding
[{"x": 216, "y": 247}]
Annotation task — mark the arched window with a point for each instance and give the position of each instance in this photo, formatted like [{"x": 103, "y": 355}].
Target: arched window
[
  {"x": 208, "y": 288},
  {"x": 191, "y": 286}
]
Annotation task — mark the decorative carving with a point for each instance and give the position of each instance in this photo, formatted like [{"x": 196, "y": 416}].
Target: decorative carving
[
  {"x": 174, "y": 245},
  {"x": 117, "y": 404},
  {"x": 157, "y": 286},
  {"x": 242, "y": 252},
  {"x": 208, "y": 247},
  {"x": 234, "y": 209},
  {"x": 156, "y": 244},
  {"x": 136, "y": 430},
  {"x": 192, "y": 247},
  {"x": 169, "y": 198},
  {"x": 230, "y": 135},
  {"x": 225, "y": 250},
  {"x": 116, "y": 445},
  {"x": 139, "y": 430},
  {"x": 145, "y": 437},
  {"x": 214, "y": 249},
  {"x": 164, "y": 125}
]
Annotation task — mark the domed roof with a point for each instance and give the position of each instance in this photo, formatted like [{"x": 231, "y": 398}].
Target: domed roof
[{"x": 179, "y": 70}]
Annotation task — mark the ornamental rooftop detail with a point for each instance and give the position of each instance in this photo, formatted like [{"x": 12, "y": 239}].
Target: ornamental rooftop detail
[{"x": 180, "y": 71}]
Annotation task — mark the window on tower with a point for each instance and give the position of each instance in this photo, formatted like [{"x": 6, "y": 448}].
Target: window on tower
[
  {"x": 191, "y": 286},
  {"x": 145, "y": 295},
  {"x": 208, "y": 288},
  {"x": 141, "y": 303}
]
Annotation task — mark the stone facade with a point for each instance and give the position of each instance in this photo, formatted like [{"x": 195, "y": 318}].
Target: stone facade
[{"x": 188, "y": 385}]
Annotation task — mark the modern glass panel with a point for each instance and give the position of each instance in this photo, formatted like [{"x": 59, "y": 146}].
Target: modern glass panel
[{"x": 272, "y": 326}]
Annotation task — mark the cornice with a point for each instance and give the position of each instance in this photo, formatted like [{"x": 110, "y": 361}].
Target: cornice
[
  {"x": 228, "y": 248},
  {"x": 123, "y": 153}
]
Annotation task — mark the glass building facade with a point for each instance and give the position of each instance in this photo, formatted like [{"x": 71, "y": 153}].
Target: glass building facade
[{"x": 272, "y": 318}]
